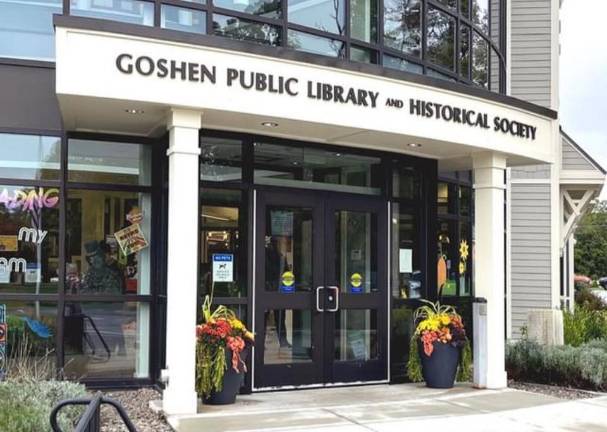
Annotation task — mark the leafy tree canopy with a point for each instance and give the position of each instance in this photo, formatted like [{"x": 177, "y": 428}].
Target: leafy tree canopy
[{"x": 591, "y": 246}]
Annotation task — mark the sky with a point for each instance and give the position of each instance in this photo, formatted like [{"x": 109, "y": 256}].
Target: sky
[{"x": 583, "y": 76}]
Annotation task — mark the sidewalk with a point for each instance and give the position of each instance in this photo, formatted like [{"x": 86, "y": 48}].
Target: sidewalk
[{"x": 399, "y": 408}]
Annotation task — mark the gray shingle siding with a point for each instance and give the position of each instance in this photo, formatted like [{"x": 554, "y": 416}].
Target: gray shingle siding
[
  {"x": 572, "y": 159},
  {"x": 530, "y": 250},
  {"x": 531, "y": 55}
]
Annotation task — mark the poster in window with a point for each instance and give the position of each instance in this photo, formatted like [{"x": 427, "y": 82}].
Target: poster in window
[
  {"x": 223, "y": 268},
  {"x": 131, "y": 239},
  {"x": 282, "y": 223},
  {"x": 33, "y": 273},
  {"x": 405, "y": 260},
  {"x": 8, "y": 243}
]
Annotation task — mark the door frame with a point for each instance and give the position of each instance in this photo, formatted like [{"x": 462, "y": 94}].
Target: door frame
[{"x": 322, "y": 201}]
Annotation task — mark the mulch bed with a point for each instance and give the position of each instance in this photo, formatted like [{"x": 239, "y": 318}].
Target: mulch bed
[
  {"x": 555, "y": 391},
  {"x": 136, "y": 405}
]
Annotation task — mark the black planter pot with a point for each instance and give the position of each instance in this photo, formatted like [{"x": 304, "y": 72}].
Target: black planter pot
[
  {"x": 232, "y": 381},
  {"x": 439, "y": 369}
]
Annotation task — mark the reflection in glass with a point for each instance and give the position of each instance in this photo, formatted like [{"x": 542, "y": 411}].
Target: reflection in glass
[
  {"x": 325, "y": 15},
  {"x": 362, "y": 55},
  {"x": 402, "y": 26},
  {"x": 265, "y": 8},
  {"x": 109, "y": 339},
  {"x": 465, "y": 201},
  {"x": 407, "y": 278},
  {"x": 288, "y": 336},
  {"x": 96, "y": 262},
  {"x": 406, "y": 182},
  {"x": 480, "y": 61},
  {"x": 356, "y": 335},
  {"x": 355, "y": 247},
  {"x": 440, "y": 35},
  {"x": 464, "y": 51},
  {"x": 449, "y": 3},
  {"x": 182, "y": 19},
  {"x": 220, "y": 235},
  {"x": 435, "y": 74},
  {"x": 312, "y": 168},
  {"x": 128, "y": 11},
  {"x": 447, "y": 264},
  {"x": 29, "y": 239},
  {"x": 109, "y": 162},
  {"x": 31, "y": 157},
  {"x": 315, "y": 44},
  {"x": 402, "y": 328},
  {"x": 221, "y": 159},
  {"x": 363, "y": 20},
  {"x": 464, "y": 8},
  {"x": 402, "y": 64},
  {"x": 27, "y": 29},
  {"x": 240, "y": 29},
  {"x": 443, "y": 198},
  {"x": 480, "y": 14},
  {"x": 288, "y": 249},
  {"x": 31, "y": 331}
]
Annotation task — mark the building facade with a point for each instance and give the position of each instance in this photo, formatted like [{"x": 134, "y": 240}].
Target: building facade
[{"x": 319, "y": 165}]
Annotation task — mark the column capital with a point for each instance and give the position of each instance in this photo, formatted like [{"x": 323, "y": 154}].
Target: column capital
[
  {"x": 488, "y": 159},
  {"x": 184, "y": 118},
  {"x": 489, "y": 170}
]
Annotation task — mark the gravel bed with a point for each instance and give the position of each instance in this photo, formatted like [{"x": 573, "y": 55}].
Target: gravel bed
[
  {"x": 555, "y": 391},
  {"x": 136, "y": 405}
]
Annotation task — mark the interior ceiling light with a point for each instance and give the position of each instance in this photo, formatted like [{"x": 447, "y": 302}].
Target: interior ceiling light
[
  {"x": 133, "y": 111},
  {"x": 270, "y": 124},
  {"x": 215, "y": 217},
  {"x": 414, "y": 145}
]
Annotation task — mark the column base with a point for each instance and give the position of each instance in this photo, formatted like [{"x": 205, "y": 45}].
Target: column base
[
  {"x": 176, "y": 402},
  {"x": 497, "y": 380}
]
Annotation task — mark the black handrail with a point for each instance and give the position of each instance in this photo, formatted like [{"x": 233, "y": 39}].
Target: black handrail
[{"x": 90, "y": 421}]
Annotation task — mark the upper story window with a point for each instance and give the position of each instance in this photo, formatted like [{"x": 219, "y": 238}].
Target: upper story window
[
  {"x": 454, "y": 40},
  {"x": 26, "y": 28}
]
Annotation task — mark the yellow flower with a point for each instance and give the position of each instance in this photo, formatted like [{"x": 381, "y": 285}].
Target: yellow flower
[
  {"x": 462, "y": 267},
  {"x": 445, "y": 319},
  {"x": 464, "y": 250}
]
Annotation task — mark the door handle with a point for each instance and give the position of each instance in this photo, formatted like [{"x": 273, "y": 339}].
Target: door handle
[
  {"x": 336, "y": 308},
  {"x": 318, "y": 309}
]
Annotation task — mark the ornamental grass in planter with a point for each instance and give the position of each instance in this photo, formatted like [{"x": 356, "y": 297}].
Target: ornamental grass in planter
[
  {"x": 222, "y": 343},
  {"x": 439, "y": 349}
]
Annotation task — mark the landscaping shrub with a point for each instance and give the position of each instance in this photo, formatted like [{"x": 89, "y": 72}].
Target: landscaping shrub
[
  {"x": 588, "y": 300},
  {"x": 584, "y": 366},
  {"x": 25, "y": 405},
  {"x": 584, "y": 325}
]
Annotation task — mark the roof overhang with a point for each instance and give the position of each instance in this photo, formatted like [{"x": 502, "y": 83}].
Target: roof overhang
[{"x": 98, "y": 86}]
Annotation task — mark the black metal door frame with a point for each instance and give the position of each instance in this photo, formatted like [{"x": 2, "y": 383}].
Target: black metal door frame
[{"x": 322, "y": 370}]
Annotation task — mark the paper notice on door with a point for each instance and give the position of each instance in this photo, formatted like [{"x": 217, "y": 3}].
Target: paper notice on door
[{"x": 405, "y": 260}]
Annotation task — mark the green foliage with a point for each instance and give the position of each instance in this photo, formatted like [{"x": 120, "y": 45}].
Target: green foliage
[
  {"x": 414, "y": 365},
  {"x": 25, "y": 405},
  {"x": 591, "y": 246},
  {"x": 584, "y": 325},
  {"x": 582, "y": 367},
  {"x": 464, "y": 370}
]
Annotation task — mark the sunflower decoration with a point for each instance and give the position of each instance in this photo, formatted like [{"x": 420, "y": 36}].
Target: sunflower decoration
[{"x": 464, "y": 252}]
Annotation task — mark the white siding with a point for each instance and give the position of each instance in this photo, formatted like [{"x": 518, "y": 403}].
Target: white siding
[
  {"x": 531, "y": 53},
  {"x": 530, "y": 250}
]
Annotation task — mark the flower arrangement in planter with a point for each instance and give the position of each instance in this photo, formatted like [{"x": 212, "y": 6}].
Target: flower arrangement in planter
[
  {"x": 221, "y": 350},
  {"x": 439, "y": 348}
]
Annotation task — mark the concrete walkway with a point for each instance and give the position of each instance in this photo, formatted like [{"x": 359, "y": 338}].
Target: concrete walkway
[{"x": 407, "y": 407}]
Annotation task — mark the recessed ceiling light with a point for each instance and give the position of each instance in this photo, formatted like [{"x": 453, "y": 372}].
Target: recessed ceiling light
[
  {"x": 414, "y": 145},
  {"x": 338, "y": 154},
  {"x": 134, "y": 111},
  {"x": 270, "y": 124}
]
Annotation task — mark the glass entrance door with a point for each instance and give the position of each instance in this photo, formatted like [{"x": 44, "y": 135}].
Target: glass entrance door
[{"x": 320, "y": 292}]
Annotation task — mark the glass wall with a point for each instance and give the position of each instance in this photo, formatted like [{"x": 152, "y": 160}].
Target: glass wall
[
  {"x": 455, "y": 235},
  {"x": 76, "y": 255}
]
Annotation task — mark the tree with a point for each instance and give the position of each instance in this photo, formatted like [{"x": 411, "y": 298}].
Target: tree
[{"x": 591, "y": 246}]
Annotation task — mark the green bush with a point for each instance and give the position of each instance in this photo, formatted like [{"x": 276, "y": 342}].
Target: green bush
[
  {"x": 584, "y": 366},
  {"x": 584, "y": 325},
  {"x": 588, "y": 300},
  {"x": 25, "y": 405}
]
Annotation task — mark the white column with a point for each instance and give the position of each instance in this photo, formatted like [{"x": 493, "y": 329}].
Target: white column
[
  {"x": 180, "y": 397},
  {"x": 489, "y": 268}
]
